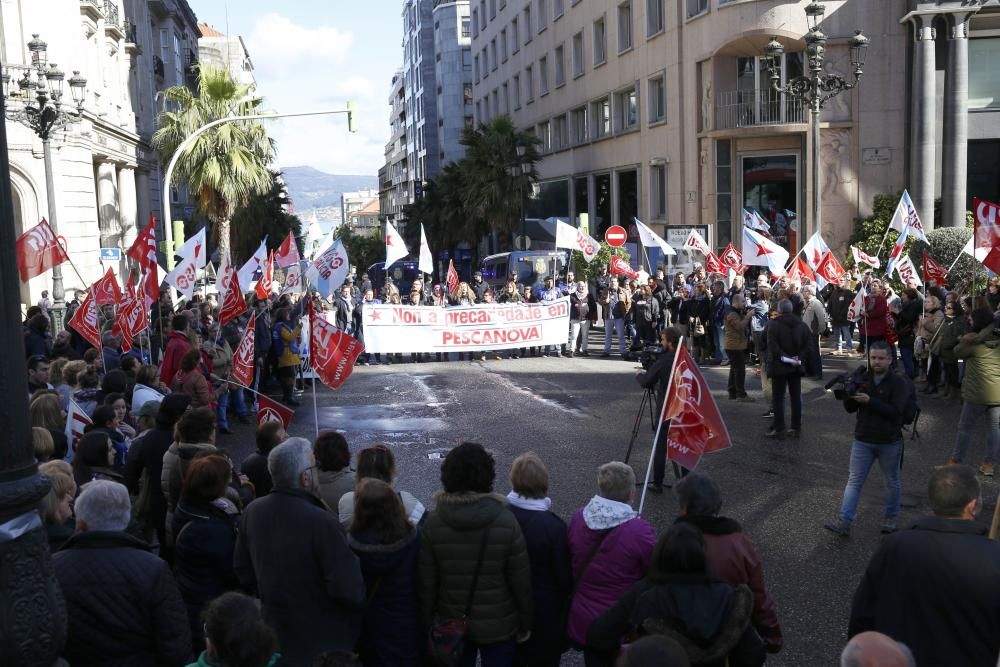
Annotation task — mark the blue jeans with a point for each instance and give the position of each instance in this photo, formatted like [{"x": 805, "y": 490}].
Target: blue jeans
[
  {"x": 235, "y": 394},
  {"x": 720, "y": 342},
  {"x": 500, "y": 654},
  {"x": 906, "y": 355},
  {"x": 842, "y": 337},
  {"x": 618, "y": 325},
  {"x": 863, "y": 457},
  {"x": 967, "y": 427}
]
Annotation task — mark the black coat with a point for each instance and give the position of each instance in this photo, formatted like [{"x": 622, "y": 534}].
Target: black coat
[
  {"x": 255, "y": 468},
  {"x": 906, "y": 322},
  {"x": 551, "y": 581},
  {"x": 204, "y": 543},
  {"x": 146, "y": 456},
  {"x": 36, "y": 343},
  {"x": 122, "y": 603},
  {"x": 837, "y": 305},
  {"x": 880, "y": 421},
  {"x": 293, "y": 552},
  {"x": 787, "y": 336},
  {"x": 391, "y": 635},
  {"x": 935, "y": 587}
]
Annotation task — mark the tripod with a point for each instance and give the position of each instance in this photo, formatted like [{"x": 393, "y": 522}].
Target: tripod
[{"x": 648, "y": 401}]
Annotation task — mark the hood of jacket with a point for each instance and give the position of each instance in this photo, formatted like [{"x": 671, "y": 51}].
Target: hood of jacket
[
  {"x": 603, "y": 514},
  {"x": 468, "y": 511},
  {"x": 188, "y": 450},
  {"x": 711, "y": 525},
  {"x": 381, "y": 559}
]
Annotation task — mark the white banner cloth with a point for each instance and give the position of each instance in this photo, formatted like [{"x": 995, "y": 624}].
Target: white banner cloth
[{"x": 392, "y": 328}]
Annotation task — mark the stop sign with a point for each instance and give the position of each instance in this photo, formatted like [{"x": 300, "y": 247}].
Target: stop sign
[{"x": 615, "y": 236}]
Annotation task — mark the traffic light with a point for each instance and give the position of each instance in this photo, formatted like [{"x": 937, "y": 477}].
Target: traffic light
[{"x": 350, "y": 116}]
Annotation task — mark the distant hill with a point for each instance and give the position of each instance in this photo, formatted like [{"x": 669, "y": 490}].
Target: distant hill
[{"x": 311, "y": 188}]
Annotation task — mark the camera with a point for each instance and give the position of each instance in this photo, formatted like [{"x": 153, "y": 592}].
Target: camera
[
  {"x": 850, "y": 384},
  {"x": 648, "y": 355}
]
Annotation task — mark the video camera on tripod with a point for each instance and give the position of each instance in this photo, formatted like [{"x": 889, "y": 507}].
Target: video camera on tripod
[{"x": 646, "y": 355}]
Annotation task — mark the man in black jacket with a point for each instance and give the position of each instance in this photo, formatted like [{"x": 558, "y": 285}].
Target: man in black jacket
[
  {"x": 879, "y": 398},
  {"x": 292, "y": 551},
  {"x": 935, "y": 585},
  {"x": 122, "y": 602},
  {"x": 837, "y": 305},
  {"x": 658, "y": 376},
  {"x": 788, "y": 344}
]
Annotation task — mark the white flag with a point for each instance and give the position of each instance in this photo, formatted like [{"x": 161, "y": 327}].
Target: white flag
[
  {"x": 857, "y": 308},
  {"x": 76, "y": 421},
  {"x": 220, "y": 288},
  {"x": 651, "y": 239},
  {"x": 908, "y": 272},
  {"x": 980, "y": 252},
  {"x": 329, "y": 271},
  {"x": 697, "y": 242},
  {"x": 395, "y": 249},
  {"x": 247, "y": 271},
  {"x": 815, "y": 250},
  {"x": 568, "y": 236},
  {"x": 314, "y": 236},
  {"x": 184, "y": 277},
  {"x": 293, "y": 280},
  {"x": 426, "y": 259},
  {"x": 906, "y": 213},
  {"x": 753, "y": 220},
  {"x": 861, "y": 257},
  {"x": 759, "y": 251},
  {"x": 195, "y": 248}
]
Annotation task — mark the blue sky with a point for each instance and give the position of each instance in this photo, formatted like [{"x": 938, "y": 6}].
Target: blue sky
[{"x": 315, "y": 55}]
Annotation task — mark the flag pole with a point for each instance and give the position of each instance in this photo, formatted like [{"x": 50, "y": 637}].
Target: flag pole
[
  {"x": 315, "y": 408},
  {"x": 884, "y": 237},
  {"x": 659, "y": 427}
]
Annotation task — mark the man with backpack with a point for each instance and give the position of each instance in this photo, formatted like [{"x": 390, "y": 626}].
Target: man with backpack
[{"x": 884, "y": 402}]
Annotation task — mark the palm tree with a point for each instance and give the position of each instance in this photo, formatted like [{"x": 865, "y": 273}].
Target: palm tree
[
  {"x": 495, "y": 175},
  {"x": 227, "y": 164}
]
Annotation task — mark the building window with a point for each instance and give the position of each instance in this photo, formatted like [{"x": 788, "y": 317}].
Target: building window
[
  {"x": 496, "y": 102},
  {"x": 723, "y": 192},
  {"x": 529, "y": 84},
  {"x": 578, "y": 123},
  {"x": 476, "y": 68},
  {"x": 625, "y": 26},
  {"x": 545, "y": 135},
  {"x": 503, "y": 3},
  {"x": 493, "y": 53},
  {"x": 654, "y": 17},
  {"x": 984, "y": 75},
  {"x": 600, "y": 114},
  {"x": 560, "y": 133},
  {"x": 503, "y": 45},
  {"x": 475, "y": 23},
  {"x": 695, "y": 7},
  {"x": 514, "y": 36},
  {"x": 626, "y": 109},
  {"x": 578, "y": 54},
  {"x": 465, "y": 27},
  {"x": 505, "y": 98},
  {"x": 527, "y": 23},
  {"x": 657, "y": 94},
  {"x": 558, "y": 8},
  {"x": 493, "y": 9},
  {"x": 486, "y": 63},
  {"x": 658, "y": 192},
  {"x": 466, "y": 93},
  {"x": 543, "y": 15},
  {"x": 543, "y": 75},
  {"x": 560, "y": 66},
  {"x": 517, "y": 91},
  {"x": 600, "y": 42},
  {"x": 482, "y": 14}
]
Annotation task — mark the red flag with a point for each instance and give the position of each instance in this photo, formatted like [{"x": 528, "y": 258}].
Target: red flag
[
  {"x": 452, "y": 277},
  {"x": 696, "y": 425},
  {"x": 127, "y": 311},
  {"x": 143, "y": 249},
  {"x": 713, "y": 264},
  {"x": 233, "y": 303},
  {"x": 38, "y": 250},
  {"x": 934, "y": 270},
  {"x": 106, "y": 290},
  {"x": 84, "y": 320},
  {"x": 266, "y": 278},
  {"x": 242, "y": 370},
  {"x": 269, "y": 410},
  {"x": 800, "y": 269},
  {"x": 731, "y": 257},
  {"x": 151, "y": 286},
  {"x": 288, "y": 252},
  {"x": 619, "y": 267},
  {"x": 829, "y": 268},
  {"x": 332, "y": 351}
]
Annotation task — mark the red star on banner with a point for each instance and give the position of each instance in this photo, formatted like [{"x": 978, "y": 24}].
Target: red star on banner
[
  {"x": 388, "y": 239},
  {"x": 375, "y": 316},
  {"x": 761, "y": 250}
]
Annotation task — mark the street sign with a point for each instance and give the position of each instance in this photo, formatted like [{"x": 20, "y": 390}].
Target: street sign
[
  {"x": 111, "y": 254},
  {"x": 616, "y": 236}
]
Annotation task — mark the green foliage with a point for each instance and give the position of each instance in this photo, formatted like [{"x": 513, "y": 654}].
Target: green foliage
[
  {"x": 584, "y": 271},
  {"x": 264, "y": 215},
  {"x": 945, "y": 245},
  {"x": 362, "y": 251},
  {"x": 226, "y": 165}
]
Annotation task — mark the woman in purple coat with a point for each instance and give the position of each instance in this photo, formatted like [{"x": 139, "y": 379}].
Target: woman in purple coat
[{"x": 610, "y": 548}]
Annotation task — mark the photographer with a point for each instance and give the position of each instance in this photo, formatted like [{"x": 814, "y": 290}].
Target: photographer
[
  {"x": 658, "y": 376},
  {"x": 879, "y": 397}
]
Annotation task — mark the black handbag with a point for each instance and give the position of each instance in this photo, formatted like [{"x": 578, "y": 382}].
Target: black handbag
[{"x": 447, "y": 640}]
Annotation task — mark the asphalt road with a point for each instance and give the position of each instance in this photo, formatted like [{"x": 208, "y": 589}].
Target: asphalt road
[{"x": 579, "y": 413}]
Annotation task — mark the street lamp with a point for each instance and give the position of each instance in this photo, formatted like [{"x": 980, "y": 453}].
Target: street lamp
[
  {"x": 36, "y": 102},
  {"x": 816, "y": 87},
  {"x": 518, "y": 171}
]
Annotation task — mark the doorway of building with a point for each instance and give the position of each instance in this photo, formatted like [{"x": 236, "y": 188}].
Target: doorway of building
[{"x": 770, "y": 186}]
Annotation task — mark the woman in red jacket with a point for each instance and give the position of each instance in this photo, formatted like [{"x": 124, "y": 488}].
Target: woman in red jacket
[{"x": 874, "y": 323}]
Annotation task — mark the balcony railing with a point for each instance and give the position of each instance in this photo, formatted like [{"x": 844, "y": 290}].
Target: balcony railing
[
  {"x": 749, "y": 108},
  {"x": 111, "y": 13},
  {"x": 130, "y": 32},
  {"x": 158, "y": 68}
]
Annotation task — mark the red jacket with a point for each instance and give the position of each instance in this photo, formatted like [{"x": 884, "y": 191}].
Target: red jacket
[
  {"x": 177, "y": 345},
  {"x": 874, "y": 321},
  {"x": 733, "y": 558}
]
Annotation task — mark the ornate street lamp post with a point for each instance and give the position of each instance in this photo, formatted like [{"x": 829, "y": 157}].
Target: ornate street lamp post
[
  {"x": 36, "y": 101},
  {"x": 816, "y": 87}
]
